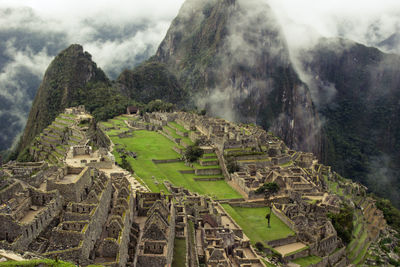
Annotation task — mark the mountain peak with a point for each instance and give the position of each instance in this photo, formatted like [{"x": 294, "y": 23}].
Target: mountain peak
[{"x": 70, "y": 71}]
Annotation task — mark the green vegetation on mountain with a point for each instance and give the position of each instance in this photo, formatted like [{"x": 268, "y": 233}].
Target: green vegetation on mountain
[
  {"x": 101, "y": 100},
  {"x": 72, "y": 69},
  {"x": 73, "y": 79},
  {"x": 150, "y": 81},
  {"x": 220, "y": 51},
  {"x": 343, "y": 223},
  {"x": 391, "y": 214},
  {"x": 362, "y": 130}
]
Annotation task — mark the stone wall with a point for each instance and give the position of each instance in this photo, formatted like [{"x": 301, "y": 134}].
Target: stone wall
[
  {"x": 153, "y": 261},
  {"x": 90, "y": 233},
  {"x": 284, "y": 218},
  {"x": 222, "y": 164},
  {"x": 337, "y": 256},
  {"x": 296, "y": 255},
  {"x": 102, "y": 138},
  {"x": 10, "y": 191},
  {"x": 171, "y": 236},
  {"x": 337, "y": 259},
  {"x": 252, "y": 157},
  {"x": 123, "y": 241},
  {"x": 187, "y": 171},
  {"x": 208, "y": 162},
  {"x": 247, "y": 261},
  {"x": 283, "y": 241},
  {"x": 327, "y": 245},
  {"x": 30, "y": 231},
  {"x": 72, "y": 191},
  {"x": 247, "y": 204},
  {"x": 81, "y": 150},
  {"x": 199, "y": 179},
  {"x": 160, "y": 161},
  {"x": 207, "y": 171},
  {"x": 101, "y": 164},
  {"x": 178, "y": 150}
]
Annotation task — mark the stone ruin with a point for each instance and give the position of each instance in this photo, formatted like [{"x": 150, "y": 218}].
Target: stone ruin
[
  {"x": 214, "y": 237},
  {"x": 83, "y": 155},
  {"x": 24, "y": 213},
  {"x": 79, "y": 110},
  {"x": 86, "y": 213},
  {"x": 68, "y": 129}
]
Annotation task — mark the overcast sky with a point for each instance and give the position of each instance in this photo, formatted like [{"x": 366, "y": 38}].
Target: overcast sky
[
  {"x": 116, "y": 32},
  {"x": 120, "y": 34},
  {"x": 365, "y": 21}
]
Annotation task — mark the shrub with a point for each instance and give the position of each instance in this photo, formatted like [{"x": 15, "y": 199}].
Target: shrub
[
  {"x": 343, "y": 223},
  {"x": 232, "y": 166},
  {"x": 193, "y": 153},
  {"x": 125, "y": 164},
  {"x": 259, "y": 246},
  {"x": 25, "y": 156}
]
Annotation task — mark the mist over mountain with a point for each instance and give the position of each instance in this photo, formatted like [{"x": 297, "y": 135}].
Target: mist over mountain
[
  {"x": 361, "y": 129},
  {"x": 33, "y": 34},
  {"x": 332, "y": 96},
  {"x": 249, "y": 61},
  {"x": 232, "y": 58}
]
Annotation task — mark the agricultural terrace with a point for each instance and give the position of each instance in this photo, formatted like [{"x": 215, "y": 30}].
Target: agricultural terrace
[
  {"x": 307, "y": 261},
  {"x": 255, "y": 226},
  {"x": 149, "y": 145}
]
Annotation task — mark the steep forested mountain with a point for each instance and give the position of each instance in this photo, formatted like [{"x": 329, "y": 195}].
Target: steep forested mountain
[{"x": 231, "y": 58}]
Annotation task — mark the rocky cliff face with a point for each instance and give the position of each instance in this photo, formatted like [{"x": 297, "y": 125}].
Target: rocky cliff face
[
  {"x": 359, "y": 88},
  {"x": 231, "y": 57},
  {"x": 71, "y": 70}
]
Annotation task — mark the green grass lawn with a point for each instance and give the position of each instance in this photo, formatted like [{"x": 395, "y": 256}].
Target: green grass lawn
[
  {"x": 171, "y": 132},
  {"x": 198, "y": 166},
  {"x": 254, "y": 224},
  {"x": 178, "y": 126},
  {"x": 179, "y": 253},
  {"x": 306, "y": 261},
  {"x": 107, "y": 124},
  {"x": 117, "y": 132},
  {"x": 352, "y": 254},
  {"x": 289, "y": 163},
  {"x": 68, "y": 115},
  {"x": 208, "y": 159},
  {"x": 32, "y": 263},
  {"x": 150, "y": 145}
]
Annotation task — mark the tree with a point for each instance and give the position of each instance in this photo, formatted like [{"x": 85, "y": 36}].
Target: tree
[
  {"x": 232, "y": 166},
  {"x": 269, "y": 189},
  {"x": 125, "y": 164},
  {"x": 192, "y": 153}
]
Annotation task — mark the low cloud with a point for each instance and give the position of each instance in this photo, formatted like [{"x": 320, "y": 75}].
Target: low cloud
[
  {"x": 382, "y": 178},
  {"x": 305, "y": 22},
  {"x": 118, "y": 34},
  {"x": 366, "y": 22}
]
